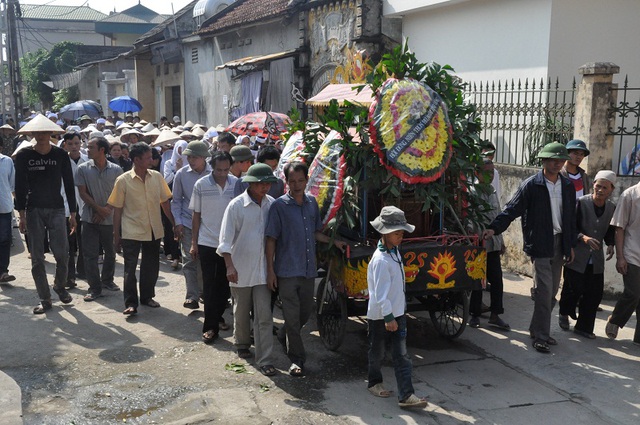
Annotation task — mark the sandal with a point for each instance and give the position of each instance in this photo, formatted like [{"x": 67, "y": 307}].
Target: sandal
[
  {"x": 552, "y": 341},
  {"x": 42, "y": 308},
  {"x": 379, "y": 390},
  {"x": 244, "y": 353},
  {"x": 223, "y": 326},
  {"x": 6, "y": 277},
  {"x": 151, "y": 303},
  {"x": 413, "y": 401},
  {"x": 65, "y": 297},
  {"x": 91, "y": 296},
  {"x": 267, "y": 370},
  {"x": 295, "y": 370},
  {"x": 541, "y": 346},
  {"x": 500, "y": 324},
  {"x": 209, "y": 336},
  {"x": 130, "y": 311}
]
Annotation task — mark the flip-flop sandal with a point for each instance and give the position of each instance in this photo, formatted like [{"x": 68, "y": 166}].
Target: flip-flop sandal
[
  {"x": 552, "y": 341},
  {"x": 541, "y": 346},
  {"x": 223, "y": 326},
  {"x": 65, "y": 297},
  {"x": 130, "y": 311},
  {"x": 295, "y": 370},
  {"x": 379, "y": 390},
  {"x": 152, "y": 303},
  {"x": 209, "y": 336},
  {"x": 244, "y": 353},
  {"x": 267, "y": 370}
]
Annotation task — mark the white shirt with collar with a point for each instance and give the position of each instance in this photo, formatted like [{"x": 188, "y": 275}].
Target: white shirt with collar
[
  {"x": 242, "y": 236},
  {"x": 211, "y": 200}
]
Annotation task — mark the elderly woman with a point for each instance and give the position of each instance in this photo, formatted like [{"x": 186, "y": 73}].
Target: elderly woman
[{"x": 115, "y": 156}]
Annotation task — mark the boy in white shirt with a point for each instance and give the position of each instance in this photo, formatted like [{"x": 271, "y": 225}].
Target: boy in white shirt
[{"x": 386, "y": 313}]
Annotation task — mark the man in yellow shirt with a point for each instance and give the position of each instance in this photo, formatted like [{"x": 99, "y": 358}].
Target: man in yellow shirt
[{"x": 136, "y": 199}]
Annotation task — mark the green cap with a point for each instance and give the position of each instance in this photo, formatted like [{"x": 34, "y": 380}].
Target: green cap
[
  {"x": 197, "y": 148},
  {"x": 259, "y": 173},
  {"x": 554, "y": 150},
  {"x": 241, "y": 153}
]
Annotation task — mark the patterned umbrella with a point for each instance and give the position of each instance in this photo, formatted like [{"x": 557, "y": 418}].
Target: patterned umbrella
[
  {"x": 260, "y": 124},
  {"x": 77, "y": 109},
  {"x": 125, "y": 104}
]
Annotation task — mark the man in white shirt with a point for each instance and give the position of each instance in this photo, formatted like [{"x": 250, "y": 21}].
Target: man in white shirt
[
  {"x": 242, "y": 244},
  {"x": 211, "y": 196},
  {"x": 72, "y": 143}
]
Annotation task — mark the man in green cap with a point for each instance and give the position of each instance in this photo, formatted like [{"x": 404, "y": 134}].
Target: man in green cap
[
  {"x": 242, "y": 244},
  {"x": 578, "y": 151},
  {"x": 546, "y": 204},
  {"x": 183, "y": 183}
]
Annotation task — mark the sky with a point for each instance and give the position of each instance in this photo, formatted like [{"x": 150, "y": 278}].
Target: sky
[{"x": 106, "y": 6}]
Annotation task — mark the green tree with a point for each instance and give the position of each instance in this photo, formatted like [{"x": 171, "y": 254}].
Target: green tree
[{"x": 37, "y": 67}]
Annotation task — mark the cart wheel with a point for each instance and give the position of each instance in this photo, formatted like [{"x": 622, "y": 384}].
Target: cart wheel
[
  {"x": 450, "y": 313},
  {"x": 332, "y": 321}
]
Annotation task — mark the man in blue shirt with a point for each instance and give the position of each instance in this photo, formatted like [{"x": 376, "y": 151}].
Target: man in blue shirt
[
  {"x": 183, "y": 183},
  {"x": 293, "y": 227}
]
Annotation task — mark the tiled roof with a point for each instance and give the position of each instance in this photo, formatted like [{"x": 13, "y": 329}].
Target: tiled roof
[
  {"x": 168, "y": 21},
  {"x": 62, "y": 13},
  {"x": 137, "y": 14},
  {"x": 244, "y": 12}
]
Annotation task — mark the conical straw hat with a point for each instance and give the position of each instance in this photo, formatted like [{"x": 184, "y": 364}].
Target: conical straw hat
[
  {"x": 153, "y": 132},
  {"x": 166, "y": 137},
  {"x": 125, "y": 134},
  {"x": 124, "y": 126},
  {"x": 40, "y": 123},
  {"x": 198, "y": 132},
  {"x": 148, "y": 127}
]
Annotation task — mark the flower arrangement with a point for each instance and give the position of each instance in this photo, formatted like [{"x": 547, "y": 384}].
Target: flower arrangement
[
  {"x": 326, "y": 177},
  {"x": 410, "y": 130},
  {"x": 291, "y": 152}
]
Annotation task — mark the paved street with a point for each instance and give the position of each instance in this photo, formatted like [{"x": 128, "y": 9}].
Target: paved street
[{"x": 85, "y": 363}]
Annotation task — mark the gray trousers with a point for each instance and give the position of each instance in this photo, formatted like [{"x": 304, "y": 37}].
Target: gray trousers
[
  {"x": 190, "y": 267},
  {"x": 258, "y": 297},
  {"x": 546, "y": 275},
  {"x": 629, "y": 301},
  {"x": 39, "y": 222},
  {"x": 296, "y": 294},
  {"x": 93, "y": 235}
]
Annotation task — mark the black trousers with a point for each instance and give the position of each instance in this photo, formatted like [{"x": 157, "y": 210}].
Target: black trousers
[
  {"x": 215, "y": 287},
  {"x": 149, "y": 270},
  {"x": 494, "y": 277},
  {"x": 583, "y": 288}
]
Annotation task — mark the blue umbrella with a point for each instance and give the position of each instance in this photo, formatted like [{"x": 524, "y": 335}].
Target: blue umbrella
[
  {"x": 125, "y": 104},
  {"x": 75, "y": 110}
]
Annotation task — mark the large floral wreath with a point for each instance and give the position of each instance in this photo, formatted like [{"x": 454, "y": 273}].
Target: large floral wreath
[{"x": 410, "y": 130}]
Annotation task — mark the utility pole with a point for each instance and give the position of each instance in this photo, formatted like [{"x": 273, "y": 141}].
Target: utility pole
[{"x": 13, "y": 57}]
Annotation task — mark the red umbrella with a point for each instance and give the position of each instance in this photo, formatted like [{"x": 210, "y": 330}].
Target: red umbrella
[{"x": 260, "y": 124}]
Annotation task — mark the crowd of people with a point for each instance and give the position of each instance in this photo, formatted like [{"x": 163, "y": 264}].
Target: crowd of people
[{"x": 216, "y": 206}]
